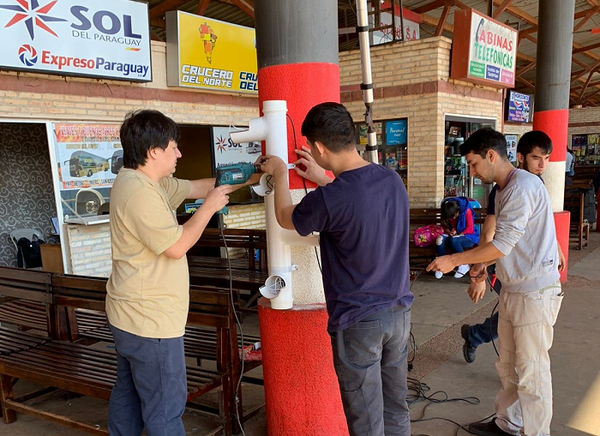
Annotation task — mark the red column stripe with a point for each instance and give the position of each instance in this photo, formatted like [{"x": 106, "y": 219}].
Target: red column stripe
[
  {"x": 555, "y": 123},
  {"x": 302, "y": 86}
]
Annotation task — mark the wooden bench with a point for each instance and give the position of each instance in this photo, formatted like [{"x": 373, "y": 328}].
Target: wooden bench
[
  {"x": 580, "y": 228},
  {"x": 421, "y": 256},
  {"x": 87, "y": 370},
  {"x": 247, "y": 274}
]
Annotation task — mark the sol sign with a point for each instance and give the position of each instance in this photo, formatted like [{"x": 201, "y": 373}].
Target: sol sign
[
  {"x": 108, "y": 39},
  {"x": 485, "y": 50}
]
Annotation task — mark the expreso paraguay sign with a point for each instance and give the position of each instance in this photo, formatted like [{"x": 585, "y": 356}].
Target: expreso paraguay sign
[
  {"x": 485, "y": 50},
  {"x": 108, "y": 38}
]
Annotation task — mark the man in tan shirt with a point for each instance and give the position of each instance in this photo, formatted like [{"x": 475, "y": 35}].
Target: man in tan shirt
[{"x": 148, "y": 290}]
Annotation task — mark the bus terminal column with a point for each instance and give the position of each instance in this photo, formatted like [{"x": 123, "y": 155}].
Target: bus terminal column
[
  {"x": 551, "y": 109},
  {"x": 297, "y": 50}
]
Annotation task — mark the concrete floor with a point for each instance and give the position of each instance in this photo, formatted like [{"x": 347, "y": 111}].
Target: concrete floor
[{"x": 440, "y": 308}]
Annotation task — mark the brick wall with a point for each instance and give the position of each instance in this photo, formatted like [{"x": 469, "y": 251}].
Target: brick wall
[
  {"x": 412, "y": 80},
  {"x": 248, "y": 216},
  {"x": 517, "y": 128},
  {"x": 48, "y": 97},
  {"x": 583, "y": 121},
  {"x": 89, "y": 248}
]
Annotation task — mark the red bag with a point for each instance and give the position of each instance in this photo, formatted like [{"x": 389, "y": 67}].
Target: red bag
[{"x": 426, "y": 235}]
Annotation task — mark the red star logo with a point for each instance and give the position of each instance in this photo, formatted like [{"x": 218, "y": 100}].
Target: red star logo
[
  {"x": 33, "y": 15},
  {"x": 221, "y": 144}
]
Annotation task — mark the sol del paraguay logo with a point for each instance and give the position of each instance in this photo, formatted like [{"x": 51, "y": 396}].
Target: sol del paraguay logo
[
  {"x": 33, "y": 15},
  {"x": 28, "y": 55}
]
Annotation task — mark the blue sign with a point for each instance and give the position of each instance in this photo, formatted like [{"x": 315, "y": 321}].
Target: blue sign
[
  {"x": 395, "y": 132},
  {"x": 519, "y": 107}
]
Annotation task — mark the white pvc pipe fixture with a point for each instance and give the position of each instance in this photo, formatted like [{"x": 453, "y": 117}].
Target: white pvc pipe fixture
[{"x": 272, "y": 128}]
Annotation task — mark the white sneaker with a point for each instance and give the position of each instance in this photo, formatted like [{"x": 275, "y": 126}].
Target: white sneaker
[
  {"x": 439, "y": 275},
  {"x": 461, "y": 271}
]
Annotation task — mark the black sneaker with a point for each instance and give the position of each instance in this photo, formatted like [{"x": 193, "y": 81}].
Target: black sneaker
[
  {"x": 487, "y": 429},
  {"x": 468, "y": 349}
]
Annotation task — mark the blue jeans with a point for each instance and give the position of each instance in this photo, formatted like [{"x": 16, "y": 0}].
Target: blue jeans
[
  {"x": 456, "y": 244},
  {"x": 370, "y": 363},
  {"x": 151, "y": 386}
]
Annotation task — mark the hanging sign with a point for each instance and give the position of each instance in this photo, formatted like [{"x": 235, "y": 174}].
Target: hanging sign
[
  {"x": 411, "y": 21},
  {"x": 210, "y": 54},
  {"x": 107, "y": 39},
  {"x": 484, "y": 50}
]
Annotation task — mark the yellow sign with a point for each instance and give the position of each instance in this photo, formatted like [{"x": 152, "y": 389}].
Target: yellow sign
[{"x": 211, "y": 54}]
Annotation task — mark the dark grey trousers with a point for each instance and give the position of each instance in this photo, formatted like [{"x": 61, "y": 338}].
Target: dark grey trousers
[{"x": 370, "y": 362}]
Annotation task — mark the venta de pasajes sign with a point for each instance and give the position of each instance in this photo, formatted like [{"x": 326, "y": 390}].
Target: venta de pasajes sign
[
  {"x": 484, "y": 50},
  {"x": 101, "y": 39}
]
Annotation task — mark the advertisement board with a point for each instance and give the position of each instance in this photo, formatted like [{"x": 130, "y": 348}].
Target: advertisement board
[
  {"x": 88, "y": 158},
  {"x": 228, "y": 153},
  {"x": 519, "y": 107},
  {"x": 484, "y": 51},
  {"x": 108, "y": 39},
  {"x": 210, "y": 54}
]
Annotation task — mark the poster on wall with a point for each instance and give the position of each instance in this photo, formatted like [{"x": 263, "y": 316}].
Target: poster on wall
[
  {"x": 107, "y": 39},
  {"x": 210, "y": 54},
  {"x": 519, "y": 107},
  {"x": 228, "y": 153},
  {"x": 87, "y": 158},
  {"x": 395, "y": 132}
]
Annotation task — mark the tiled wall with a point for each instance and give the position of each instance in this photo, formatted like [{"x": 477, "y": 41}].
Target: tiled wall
[{"x": 26, "y": 195}]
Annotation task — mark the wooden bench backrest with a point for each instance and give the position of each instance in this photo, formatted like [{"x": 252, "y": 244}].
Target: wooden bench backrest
[
  {"x": 26, "y": 284},
  {"x": 423, "y": 216}
]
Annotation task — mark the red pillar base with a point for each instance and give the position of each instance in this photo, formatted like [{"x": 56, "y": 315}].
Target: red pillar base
[
  {"x": 562, "y": 222},
  {"x": 301, "y": 391}
]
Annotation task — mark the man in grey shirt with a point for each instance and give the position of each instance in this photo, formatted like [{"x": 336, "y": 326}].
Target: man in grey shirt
[{"x": 525, "y": 251}]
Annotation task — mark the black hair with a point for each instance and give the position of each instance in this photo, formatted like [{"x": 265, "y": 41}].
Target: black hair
[
  {"x": 142, "y": 131},
  {"x": 449, "y": 210},
  {"x": 331, "y": 124},
  {"x": 535, "y": 138},
  {"x": 483, "y": 140}
]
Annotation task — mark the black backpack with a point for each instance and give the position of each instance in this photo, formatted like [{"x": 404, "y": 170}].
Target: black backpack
[{"x": 28, "y": 252}]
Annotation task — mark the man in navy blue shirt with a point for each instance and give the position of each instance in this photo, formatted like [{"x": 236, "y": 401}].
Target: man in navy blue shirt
[{"x": 362, "y": 217}]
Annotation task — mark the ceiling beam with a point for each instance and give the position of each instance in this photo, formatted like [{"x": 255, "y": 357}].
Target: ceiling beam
[
  {"x": 587, "y": 82},
  {"x": 432, "y": 21},
  {"x": 502, "y": 7},
  {"x": 165, "y": 6},
  {"x": 202, "y": 6},
  {"x": 526, "y": 68},
  {"x": 591, "y": 68},
  {"x": 245, "y": 6},
  {"x": 581, "y": 49},
  {"x": 440, "y": 26},
  {"x": 158, "y": 22},
  {"x": 430, "y": 6},
  {"x": 590, "y": 13}
]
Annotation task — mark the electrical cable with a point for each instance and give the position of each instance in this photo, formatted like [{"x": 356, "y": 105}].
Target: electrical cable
[
  {"x": 241, "y": 335},
  {"x": 420, "y": 389},
  {"x": 305, "y": 187}
]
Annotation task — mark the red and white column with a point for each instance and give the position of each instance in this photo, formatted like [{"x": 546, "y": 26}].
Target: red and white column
[
  {"x": 551, "y": 106},
  {"x": 297, "y": 48}
]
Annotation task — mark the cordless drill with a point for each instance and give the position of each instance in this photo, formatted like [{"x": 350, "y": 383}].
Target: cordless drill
[{"x": 236, "y": 174}]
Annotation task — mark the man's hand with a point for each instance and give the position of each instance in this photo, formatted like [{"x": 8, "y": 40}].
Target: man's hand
[
  {"x": 445, "y": 264},
  {"x": 476, "y": 291},
  {"x": 313, "y": 171},
  {"x": 562, "y": 262},
  {"x": 273, "y": 165},
  {"x": 217, "y": 198},
  {"x": 478, "y": 273}
]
